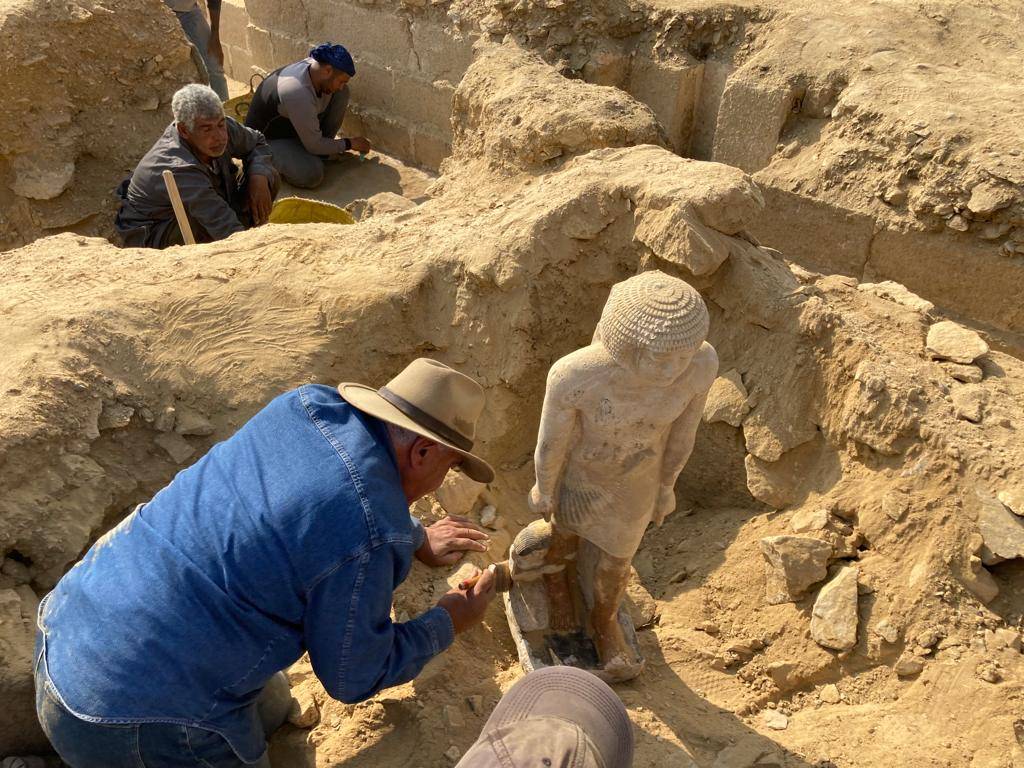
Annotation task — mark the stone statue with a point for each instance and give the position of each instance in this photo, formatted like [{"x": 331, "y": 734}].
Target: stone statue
[{"x": 618, "y": 424}]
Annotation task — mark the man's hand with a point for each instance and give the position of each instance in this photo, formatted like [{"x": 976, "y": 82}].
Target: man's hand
[
  {"x": 541, "y": 504},
  {"x": 260, "y": 199},
  {"x": 467, "y": 606},
  {"x": 215, "y": 49},
  {"x": 360, "y": 144},
  {"x": 449, "y": 539},
  {"x": 665, "y": 505}
]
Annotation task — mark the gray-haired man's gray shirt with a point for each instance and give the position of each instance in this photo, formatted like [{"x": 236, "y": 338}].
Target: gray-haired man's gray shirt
[{"x": 210, "y": 192}]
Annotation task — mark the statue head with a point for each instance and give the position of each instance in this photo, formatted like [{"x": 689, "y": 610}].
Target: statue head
[{"x": 653, "y": 324}]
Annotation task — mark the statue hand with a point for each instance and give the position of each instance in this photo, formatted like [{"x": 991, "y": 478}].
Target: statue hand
[
  {"x": 541, "y": 504},
  {"x": 665, "y": 505}
]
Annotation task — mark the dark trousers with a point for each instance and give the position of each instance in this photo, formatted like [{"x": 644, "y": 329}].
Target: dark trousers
[{"x": 297, "y": 166}]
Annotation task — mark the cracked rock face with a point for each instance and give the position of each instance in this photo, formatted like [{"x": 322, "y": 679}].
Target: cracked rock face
[{"x": 793, "y": 565}]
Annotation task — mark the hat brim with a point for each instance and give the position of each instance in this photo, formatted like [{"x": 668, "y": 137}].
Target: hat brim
[
  {"x": 573, "y": 695},
  {"x": 367, "y": 400}
]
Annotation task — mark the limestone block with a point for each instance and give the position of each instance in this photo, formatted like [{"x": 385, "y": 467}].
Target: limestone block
[
  {"x": 429, "y": 149},
  {"x": 750, "y": 118},
  {"x": 784, "y": 482},
  {"x": 260, "y": 47},
  {"x": 233, "y": 21},
  {"x": 951, "y": 341},
  {"x": 675, "y": 235},
  {"x": 670, "y": 88},
  {"x": 834, "y": 616},
  {"x": 422, "y": 101},
  {"x": 370, "y": 34},
  {"x": 283, "y": 16},
  {"x": 373, "y": 87},
  {"x": 459, "y": 494},
  {"x": 727, "y": 399},
  {"x": 441, "y": 54},
  {"x": 388, "y": 134},
  {"x": 792, "y": 565},
  {"x": 287, "y": 48},
  {"x": 702, "y": 139},
  {"x": 893, "y": 291},
  {"x": 1002, "y": 531}
]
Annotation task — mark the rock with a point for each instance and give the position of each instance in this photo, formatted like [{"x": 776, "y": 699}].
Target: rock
[
  {"x": 163, "y": 421},
  {"x": 1001, "y": 530},
  {"x": 727, "y": 400},
  {"x": 177, "y": 447},
  {"x": 1002, "y": 639},
  {"x": 908, "y": 665},
  {"x": 29, "y": 603},
  {"x": 794, "y": 563},
  {"x": 41, "y": 178},
  {"x": 958, "y": 223},
  {"x": 476, "y": 703},
  {"x": 810, "y": 520},
  {"x": 1013, "y": 500},
  {"x": 895, "y": 505},
  {"x": 969, "y": 402},
  {"x": 708, "y": 627},
  {"x": 980, "y": 582},
  {"x": 115, "y": 416},
  {"x": 928, "y": 638},
  {"x": 679, "y": 576},
  {"x": 989, "y": 197},
  {"x": 458, "y": 494},
  {"x": 834, "y": 616},
  {"x": 989, "y": 672},
  {"x": 830, "y": 694},
  {"x": 643, "y": 610},
  {"x": 305, "y": 712},
  {"x": 488, "y": 515},
  {"x": 386, "y": 202},
  {"x": 775, "y": 720},
  {"x": 951, "y": 341},
  {"x": 453, "y": 753},
  {"x": 190, "y": 422},
  {"x": 16, "y": 570},
  {"x": 452, "y": 717},
  {"x": 887, "y": 631},
  {"x": 899, "y": 294},
  {"x": 745, "y": 753},
  {"x": 969, "y": 374}
]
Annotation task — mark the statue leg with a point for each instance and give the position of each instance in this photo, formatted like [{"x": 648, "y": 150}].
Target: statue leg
[
  {"x": 610, "y": 578},
  {"x": 561, "y": 610}
]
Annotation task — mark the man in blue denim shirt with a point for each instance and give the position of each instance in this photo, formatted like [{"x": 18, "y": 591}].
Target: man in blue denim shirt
[{"x": 288, "y": 537}]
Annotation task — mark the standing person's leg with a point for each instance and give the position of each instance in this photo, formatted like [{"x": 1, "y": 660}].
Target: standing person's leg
[
  {"x": 332, "y": 117},
  {"x": 297, "y": 166},
  {"x": 197, "y": 30}
]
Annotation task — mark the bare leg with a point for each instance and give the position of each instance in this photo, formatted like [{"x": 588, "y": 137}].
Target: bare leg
[
  {"x": 610, "y": 578},
  {"x": 561, "y": 612}
]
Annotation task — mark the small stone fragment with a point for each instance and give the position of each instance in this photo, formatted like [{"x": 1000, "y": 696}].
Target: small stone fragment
[
  {"x": 488, "y": 515},
  {"x": 708, "y": 627},
  {"x": 476, "y": 703},
  {"x": 452, "y": 716},
  {"x": 177, "y": 447},
  {"x": 898, "y": 293},
  {"x": 958, "y": 223},
  {"x": 834, "y": 616},
  {"x": 969, "y": 374},
  {"x": 989, "y": 197},
  {"x": 190, "y": 422},
  {"x": 989, "y": 672},
  {"x": 1001, "y": 530},
  {"x": 727, "y": 400},
  {"x": 115, "y": 416},
  {"x": 1001, "y": 639},
  {"x": 969, "y": 402},
  {"x": 775, "y": 720},
  {"x": 453, "y": 753},
  {"x": 895, "y": 505},
  {"x": 887, "y": 631},
  {"x": 908, "y": 665},
  {"x": 830, "y": 694},
  {"x": 793, "y": 563},
  {"x": 951, "y": 341},
  {"x": 458, "y": 493},
  {"x": 810, "y": 520},
  {"x": 164, "y": 419}
]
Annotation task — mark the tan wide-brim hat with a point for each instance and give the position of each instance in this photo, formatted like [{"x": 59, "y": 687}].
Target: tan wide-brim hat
[{"x": 432, "y": 400}]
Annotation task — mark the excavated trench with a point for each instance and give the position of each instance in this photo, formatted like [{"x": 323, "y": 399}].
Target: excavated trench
[{"x": 827, "y": 421}]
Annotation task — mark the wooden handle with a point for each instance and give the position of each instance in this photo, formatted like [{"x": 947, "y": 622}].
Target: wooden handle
[{"x": 179, "y": 209}]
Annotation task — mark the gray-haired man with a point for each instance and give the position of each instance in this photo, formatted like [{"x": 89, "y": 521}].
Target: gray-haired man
[{"x": 198, "y": 148}]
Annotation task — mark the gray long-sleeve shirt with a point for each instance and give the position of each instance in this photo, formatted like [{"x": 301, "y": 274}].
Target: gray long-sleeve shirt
[
  {"x": 289, "y": 93},
  {"x": 209, "y": 193}
]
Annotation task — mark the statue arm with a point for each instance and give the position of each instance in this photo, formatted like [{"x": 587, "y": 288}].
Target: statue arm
[
  {"x": 681, "y": 439},
  {"x": 557, "y": 425}
]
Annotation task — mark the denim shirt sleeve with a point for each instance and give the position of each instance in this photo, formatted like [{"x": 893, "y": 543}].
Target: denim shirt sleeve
[
  {"x": 355, "y": 648},
  {"x": 419, "y": 535}
]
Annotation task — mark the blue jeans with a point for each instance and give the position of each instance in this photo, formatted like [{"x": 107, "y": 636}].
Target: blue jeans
[
  {"x": 83, "y": 744},
  {"x": 197, "y": 30}
]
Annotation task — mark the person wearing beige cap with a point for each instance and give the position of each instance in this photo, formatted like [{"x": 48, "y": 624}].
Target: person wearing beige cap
[
  {"x": 555, "y": 717},
  {"x": 165, "y": 644}
]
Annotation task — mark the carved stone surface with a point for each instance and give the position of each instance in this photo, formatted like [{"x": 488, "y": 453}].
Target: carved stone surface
[{"x": 618, "y": 425}]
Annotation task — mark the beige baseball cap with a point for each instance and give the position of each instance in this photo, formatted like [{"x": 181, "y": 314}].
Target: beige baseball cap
[
  {"x": 432, "y": 400},
  {"x": 561, "y": 717}
]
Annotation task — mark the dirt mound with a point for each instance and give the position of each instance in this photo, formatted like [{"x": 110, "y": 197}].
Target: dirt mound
[
  {"x": 86, "y": 88},
  {"x": 832, "y": 425}
]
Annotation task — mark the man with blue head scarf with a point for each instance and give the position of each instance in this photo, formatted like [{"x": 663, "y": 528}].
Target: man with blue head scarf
[{"x": 299, "y": 108}]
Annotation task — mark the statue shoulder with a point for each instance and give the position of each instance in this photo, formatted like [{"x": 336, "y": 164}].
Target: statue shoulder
[
  {"x": 571, "y": 375},
  {"x": 705, "y": 365}
]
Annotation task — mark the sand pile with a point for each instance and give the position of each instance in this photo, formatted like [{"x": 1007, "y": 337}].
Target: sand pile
[
  {"x": 86, "y": 88},
  {"x": 842, "y": 583}
]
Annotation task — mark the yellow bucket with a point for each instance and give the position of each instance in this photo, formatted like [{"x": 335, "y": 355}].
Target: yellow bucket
[{"x": 299, "y": 210}]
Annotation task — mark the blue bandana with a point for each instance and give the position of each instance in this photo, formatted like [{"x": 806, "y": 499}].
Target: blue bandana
[{"x": 335, "y": 55}]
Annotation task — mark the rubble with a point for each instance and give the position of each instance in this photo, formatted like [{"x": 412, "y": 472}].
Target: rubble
[{"x": 792, "y": 565}]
